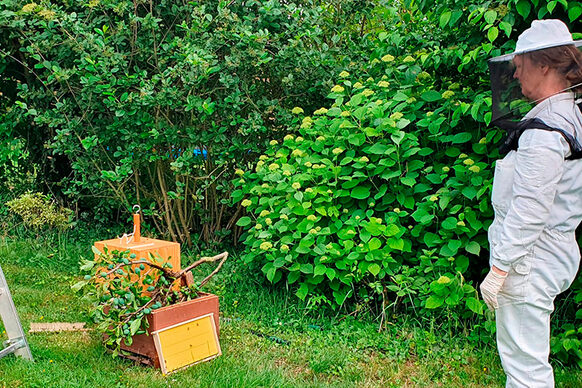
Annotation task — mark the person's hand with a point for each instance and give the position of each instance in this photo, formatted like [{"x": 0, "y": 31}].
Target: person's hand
[{"x": 491, "y": 287}]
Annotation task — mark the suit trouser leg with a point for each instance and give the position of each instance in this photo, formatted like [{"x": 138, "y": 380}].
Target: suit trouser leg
[{"x": 523, "y": 340}]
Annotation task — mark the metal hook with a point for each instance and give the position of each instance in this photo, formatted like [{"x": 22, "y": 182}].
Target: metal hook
[{"x": 136, "y": 209}]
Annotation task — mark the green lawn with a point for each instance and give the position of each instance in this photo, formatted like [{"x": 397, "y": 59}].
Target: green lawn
[{"x": 268, "y": 338}]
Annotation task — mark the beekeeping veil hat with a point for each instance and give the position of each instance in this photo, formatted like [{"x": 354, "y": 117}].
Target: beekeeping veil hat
[{"x": 507, "y": 100}]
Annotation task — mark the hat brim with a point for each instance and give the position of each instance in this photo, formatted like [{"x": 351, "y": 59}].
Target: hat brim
[{"x": 509, "y": 57}]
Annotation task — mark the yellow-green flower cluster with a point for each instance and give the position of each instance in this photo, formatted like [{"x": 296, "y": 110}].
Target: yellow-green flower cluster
[
  {"x": 483, "y": 140},
  {"x": 423, "y": 75},
  {"x": 308, "y": 164},
  {"x": 258, "y": 226},
  {"x": 383, "y": 84},
  {"x": 408, "y": 59},
  {"x": 263, "y": 157},
  {"x": 268, "y": 221},
  {"x": 30, "y": 7},
  {"x": 337, "y": 151},
  {"x": 287, "y": 173},
  {"x": 312, "y": 231},
  {"x": 468, "y": 162},
  {"x": 337, "y": 89},
  {"x": 299, "y": 139},
  {"x": 307, "y": 122},
  {"x": 396, "y": 115},
  {"x": 446, "y": 169},
  {"x": 297, "y": 110},
  {"x": 448, "y": 94},
  {"x": 296, "y": 185},
  {"x": 320, "y": 138},
  {"x": 311, "y": 217},
  {"x": 296, "y": 152},
  {"x": 358, "y": 85},
  {"x": 246, "y": 202},
  {"x": 273, "y": 166},
  {"x": 264, "y": 213},
  {"x": 387, "y": 58},
  {"x": 273, "y": 142},
  {"x": 320, "y": 111},
  {"x": 463, "y": 156},
  {"x": 288, "y": 137},
  {"x": 367, "y": 92},
  {"x": 309, "y": 190},
  {"x": 433, "y": 198},
  {"x": 47, "y": 14},
  {"x": 239, "y": 172},
  {"x": 344, "y": 74},
  {"x": 345, "y": 113},
  {"x": 475, "y": 169},
  {"x": 364, "y": 159},
  {"x": 265, "y": 246},
  {"x": 284, "y": 248},
  {"x": 461, "y": 223}
]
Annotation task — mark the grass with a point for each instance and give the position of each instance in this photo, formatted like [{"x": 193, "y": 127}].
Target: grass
[{"x": 268, "y": 338}]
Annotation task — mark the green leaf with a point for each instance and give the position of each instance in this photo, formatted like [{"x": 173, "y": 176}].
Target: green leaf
[
  {"x": 330, "y": 272},
  {"x": 462, "y": 137},
  {"x": 444, "y": 19},
  {"x": 505, "y": 27},
  {"x": 320, "y": 269},
  {"x": 293, "y": 277},
  {"x": 434, "y": 301},
  {"x": 490, "y": 16},
  {"x": 574, "y": 11},
  {"x": 473, "y": 247},
  {"x": 431, "y": 96},
  {"x": 360, "y": 192},
  {"x": 431, "y": 239},
  {"x": 551, "y": 5},
  {"x": 492, "y": 34},
  {"x": 307, "y": 268},
  {"x": 134, "y": 326},
  {"x": 244, "y": 221},
  {"x": 302, "y": 291},
  {"x": 374, "y": 244},
  {"x": 77, "y": 286},
  {"x": 374, "y": 269},
  {"x": 523, "y": 8},
  {"x": 474, "y": 305}
]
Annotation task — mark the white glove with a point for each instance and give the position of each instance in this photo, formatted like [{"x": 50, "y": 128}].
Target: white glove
[{"x": 490, "y": 288}]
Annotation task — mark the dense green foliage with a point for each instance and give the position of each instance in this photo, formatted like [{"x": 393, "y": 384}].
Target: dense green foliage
[
  {"x": 375, "y": 197},
  {"x": 136, "y": 103}
]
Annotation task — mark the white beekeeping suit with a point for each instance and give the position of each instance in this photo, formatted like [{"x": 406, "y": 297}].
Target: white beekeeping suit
[{"x": 537, "y": 199}]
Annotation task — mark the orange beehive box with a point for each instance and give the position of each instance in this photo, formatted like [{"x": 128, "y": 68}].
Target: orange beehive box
[{"x": 168, "y": 251}]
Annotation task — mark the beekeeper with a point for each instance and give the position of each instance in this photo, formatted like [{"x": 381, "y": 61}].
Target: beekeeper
[{"x": 537, "y": 199}]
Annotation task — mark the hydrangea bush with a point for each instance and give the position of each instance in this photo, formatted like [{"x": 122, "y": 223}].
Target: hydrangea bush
[{"x": 382, "y": 193}]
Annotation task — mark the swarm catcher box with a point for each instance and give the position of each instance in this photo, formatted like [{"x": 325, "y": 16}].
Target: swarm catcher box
[
  {"x": 179, "y": 335},
  {"x": 142, "y": 246}
]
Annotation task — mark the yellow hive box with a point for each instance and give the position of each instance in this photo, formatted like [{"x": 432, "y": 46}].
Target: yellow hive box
[{"x": 187, "y": 343}]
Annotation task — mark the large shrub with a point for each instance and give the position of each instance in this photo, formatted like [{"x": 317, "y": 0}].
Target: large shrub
[
  {"x": 151, "y": 103},
  {"x": 384, "y": 193}
]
